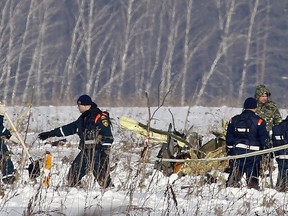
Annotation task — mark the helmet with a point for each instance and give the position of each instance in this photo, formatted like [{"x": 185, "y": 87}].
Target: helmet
[{"x": 261, "y": 90}]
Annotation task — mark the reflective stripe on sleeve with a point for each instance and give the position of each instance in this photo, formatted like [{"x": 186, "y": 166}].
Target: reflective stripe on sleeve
[
  {"x": 61, "y": 130},
  {"x": 4, "y": 129}
]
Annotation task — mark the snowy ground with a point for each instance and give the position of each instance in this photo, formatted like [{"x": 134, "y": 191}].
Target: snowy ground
[{"x": 149, "y": 193}]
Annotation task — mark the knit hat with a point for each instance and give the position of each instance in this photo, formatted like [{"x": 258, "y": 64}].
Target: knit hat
[
  {"x": 84, "y": 100},
  {"x": 250, "y": 103}
]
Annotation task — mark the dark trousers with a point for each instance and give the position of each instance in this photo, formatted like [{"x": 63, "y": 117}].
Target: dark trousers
[
  {"x": 249, "y": 166},
  {"x": 95, "y": 160},
  {"x": 7, "y": 167},
  {"x": 282, "y": 184}
]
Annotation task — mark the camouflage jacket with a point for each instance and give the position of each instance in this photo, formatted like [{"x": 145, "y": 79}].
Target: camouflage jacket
[{"x": 270, "y": 113}]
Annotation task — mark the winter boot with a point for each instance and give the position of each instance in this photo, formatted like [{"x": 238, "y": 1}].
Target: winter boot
[
  {"x": 253, "y": 185},
  {"x": 235, "y": 184}
]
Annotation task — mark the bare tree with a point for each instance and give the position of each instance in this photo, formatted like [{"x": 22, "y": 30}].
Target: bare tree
[
  {"x": 166, "y": 73},
  {"x": 186, "y": 52},
  {"x": 157, "y": 19},
  {"x": 263, "y": 50},
  {"x": 225, "y": 43},
  {"x": 126, "y": 43},
  {"x": 247, "y": 49},
  {"x": 24, "y": 43},
  {"x": 75, "y": 50},
  {"x": 120, "y": 49}
]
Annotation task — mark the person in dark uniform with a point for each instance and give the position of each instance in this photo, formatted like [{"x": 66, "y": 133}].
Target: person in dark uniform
[
  {"x": 280, "y": 137},
  {"x": 246, "y": 133},
  {"x": 7, "y": 166},
  {"x": 94, "y": 129}
]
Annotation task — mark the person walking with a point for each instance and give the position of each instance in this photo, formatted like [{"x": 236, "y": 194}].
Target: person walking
[
  {"x": 94, "y": 130},
  {"x": 280, "y": 137},
  {"x": 7, "y": 166},
  {"x": 246, "y": 133}
]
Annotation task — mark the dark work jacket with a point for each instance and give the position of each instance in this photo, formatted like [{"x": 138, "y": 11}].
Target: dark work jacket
[
  {"x": 86, "y": 128},
  {"x": 4, "y": 131},
  {"x": 279, "y": 138},
  {"x": 253, "y": 139}
]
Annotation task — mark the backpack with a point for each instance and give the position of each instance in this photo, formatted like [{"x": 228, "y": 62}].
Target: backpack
[{"x": 242, "y": 125}]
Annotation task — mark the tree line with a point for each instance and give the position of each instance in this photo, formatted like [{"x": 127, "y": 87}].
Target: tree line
[{"x": 202, "y": 52}]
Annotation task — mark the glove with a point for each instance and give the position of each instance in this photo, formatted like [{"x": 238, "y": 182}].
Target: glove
[
  {"x": 2, "y": 109},
  {"x": 14, "y": 139},
  {"x": 45, "y": 135}
]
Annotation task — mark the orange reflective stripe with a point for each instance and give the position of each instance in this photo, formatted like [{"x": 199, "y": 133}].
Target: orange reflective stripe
[
  {"x": 98, "y": 116},
  {"x": 260, "y": 121}
]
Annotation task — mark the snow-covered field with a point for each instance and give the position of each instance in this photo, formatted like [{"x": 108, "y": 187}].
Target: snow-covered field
[{"x": 149, "y": 192}]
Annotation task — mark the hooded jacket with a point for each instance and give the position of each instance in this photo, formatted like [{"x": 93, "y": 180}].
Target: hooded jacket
[{"x": 268, "y": 111}]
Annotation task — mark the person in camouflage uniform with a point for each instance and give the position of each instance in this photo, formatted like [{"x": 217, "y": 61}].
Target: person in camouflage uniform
[{"x": 267, "y": 110}]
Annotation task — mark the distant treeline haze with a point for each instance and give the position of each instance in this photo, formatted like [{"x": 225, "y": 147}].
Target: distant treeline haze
[{"x": 190, "y": 52}]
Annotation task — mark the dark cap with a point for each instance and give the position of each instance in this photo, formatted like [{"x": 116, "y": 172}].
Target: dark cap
[
  {"x": 250, "y": 103},
  {"x": 84, "y": 100}
]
